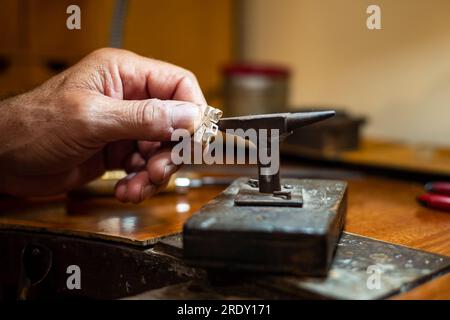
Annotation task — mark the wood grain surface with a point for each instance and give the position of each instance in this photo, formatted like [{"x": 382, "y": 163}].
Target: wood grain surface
[
  {"x": 387, "y": 210},
  {"x": 106, "y": 218}
]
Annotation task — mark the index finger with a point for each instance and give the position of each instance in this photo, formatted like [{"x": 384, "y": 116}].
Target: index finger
[{"x": 135, "y": 77}]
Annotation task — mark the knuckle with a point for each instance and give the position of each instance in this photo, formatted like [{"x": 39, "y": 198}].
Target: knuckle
[
  {"x": 183, "y": 74},
  {"x": 153, "y": 113},
  {"x": 189, "y": 75},
  {"x": 146, "y": 113},
  {"x": 155, "y": 116},
  {"x": 77, "y": 112},
  {"x": 88, "y": 109},
  {"x": 75, "y": 104},
  {"x": 189, "y": 80},
  {"x": 107, "y": 53},
  {"x": 102, "y": 52}
]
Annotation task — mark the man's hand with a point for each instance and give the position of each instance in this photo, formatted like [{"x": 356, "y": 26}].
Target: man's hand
[{"x": 111, "y": 110}]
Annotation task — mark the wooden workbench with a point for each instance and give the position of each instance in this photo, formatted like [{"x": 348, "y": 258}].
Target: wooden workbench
[{"x": 379, "y": 208}]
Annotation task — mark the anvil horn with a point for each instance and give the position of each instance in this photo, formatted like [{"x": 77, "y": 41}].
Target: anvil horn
[{"x": 301, "y": 119}]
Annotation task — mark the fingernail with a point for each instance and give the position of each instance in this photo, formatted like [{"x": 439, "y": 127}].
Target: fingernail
[
  {"x": 121, "y": 191},
  {"x": 185, "y": 116},
  {"x": 147, "y": 192},
  {"x": 169, "y": 169},
  {"x": 122, "y": 187},
  {"x": 130, "y": 176}
]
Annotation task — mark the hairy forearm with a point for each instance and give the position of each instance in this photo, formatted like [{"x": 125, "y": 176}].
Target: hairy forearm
[
  {"x": 12, "y": 134},
  {"x": 5, "y": 109},
  {"x": 6, "y": 123},
  {"x": 10, "y": 124}
]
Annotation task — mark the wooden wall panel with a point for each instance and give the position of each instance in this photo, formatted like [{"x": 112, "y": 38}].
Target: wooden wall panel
[
  {"x": 49, "y": 36},
  {"x": 195, "y": 34},
  {"x": 9, "y": 45},
  {"x": 9, "y": 26}
]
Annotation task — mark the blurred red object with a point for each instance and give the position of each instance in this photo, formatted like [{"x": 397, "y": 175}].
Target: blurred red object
[
  {"x": 435, "y": 201},
  {"x": 438, "y": 187}
]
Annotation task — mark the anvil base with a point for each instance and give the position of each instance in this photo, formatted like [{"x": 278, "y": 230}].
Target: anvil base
[{"x": 287, "y": 239}]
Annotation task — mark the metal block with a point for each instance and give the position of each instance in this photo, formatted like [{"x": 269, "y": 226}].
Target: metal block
[{"x": 299, "y": 240}]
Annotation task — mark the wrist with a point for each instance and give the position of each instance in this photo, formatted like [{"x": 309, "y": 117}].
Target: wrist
[{"x": 8, "y": 121}]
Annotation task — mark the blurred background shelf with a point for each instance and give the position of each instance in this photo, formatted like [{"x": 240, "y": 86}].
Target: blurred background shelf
[{"x": 411, "y": 161}]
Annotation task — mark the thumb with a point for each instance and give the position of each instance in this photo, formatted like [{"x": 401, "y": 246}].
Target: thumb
[{"x": 151, "y": 119}]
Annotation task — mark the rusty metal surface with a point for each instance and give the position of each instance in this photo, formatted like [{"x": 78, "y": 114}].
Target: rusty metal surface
[
  {"x": 202, "y": 290},
  {"x": 266, "y": 238},
  {"x": 357, "y": 264},
  {"x": 401, "y": 269}
]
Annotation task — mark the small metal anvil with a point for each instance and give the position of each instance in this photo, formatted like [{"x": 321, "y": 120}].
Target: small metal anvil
[
  {"x": 268, "y": 180},
  {"x": 287, "y": 225}
]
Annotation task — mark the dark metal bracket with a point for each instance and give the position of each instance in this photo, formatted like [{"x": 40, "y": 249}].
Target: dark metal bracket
[{"x": 288, "y": 196}]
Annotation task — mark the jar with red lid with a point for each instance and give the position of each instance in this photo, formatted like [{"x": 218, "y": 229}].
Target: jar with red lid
[{"x": 255, "y": 89}]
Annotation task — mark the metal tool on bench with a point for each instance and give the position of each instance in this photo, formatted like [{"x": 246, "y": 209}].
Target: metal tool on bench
[
  {"x": 181, "y": 182},
  {"x": 269, "y": 224}
]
